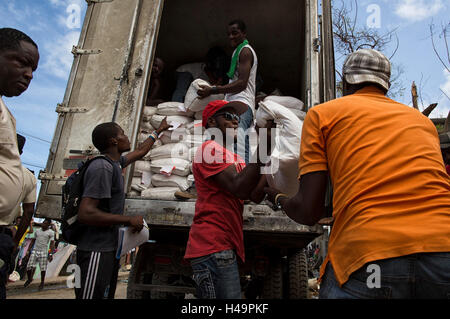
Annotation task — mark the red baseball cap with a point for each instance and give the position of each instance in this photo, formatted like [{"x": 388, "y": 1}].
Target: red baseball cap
[{"x": 215, "y": 106}]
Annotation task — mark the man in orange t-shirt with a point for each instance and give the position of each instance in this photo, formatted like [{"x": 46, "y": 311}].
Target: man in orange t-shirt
[{"x": 391, "y": 205}]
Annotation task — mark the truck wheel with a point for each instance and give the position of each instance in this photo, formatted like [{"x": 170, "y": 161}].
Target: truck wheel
[
  {"x": 144, "y": 278},
  {"x": 273, "y": 282},
  {"x": 298, "y": 275},
  {"x": 165, "y": 279}
]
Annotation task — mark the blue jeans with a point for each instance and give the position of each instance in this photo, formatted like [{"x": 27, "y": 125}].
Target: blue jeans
[
  {"x": 243, "y": 142},
  {"x": 217, "y": 276},
  {"x": 184, "y": 80},
  {"x": 425, "y": 275}
]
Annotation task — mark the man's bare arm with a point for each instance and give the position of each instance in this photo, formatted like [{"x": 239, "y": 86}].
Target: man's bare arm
[
  {"x": 307, "y": 207},
  {"x": 245, "y": 65},
  {"x": 90, "y": 214},
  {"x": 25, "y": 222},
  {"x": 145, "y": 147}
]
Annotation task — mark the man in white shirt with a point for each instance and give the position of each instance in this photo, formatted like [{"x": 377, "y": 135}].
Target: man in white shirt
[
  {"x": 242, "y": 85},
  {"x": 40, "y": 252},
  {"x": 19, "y": 58}
]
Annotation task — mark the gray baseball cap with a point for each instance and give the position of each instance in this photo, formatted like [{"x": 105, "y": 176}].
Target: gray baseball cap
[{"x": 367, "y": 65}]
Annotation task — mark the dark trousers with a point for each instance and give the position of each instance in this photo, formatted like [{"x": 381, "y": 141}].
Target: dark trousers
[
  {"x": 99, "y": 273},
  {"x": 421, "y": 276},
  {"x": 7, "y": 265}
]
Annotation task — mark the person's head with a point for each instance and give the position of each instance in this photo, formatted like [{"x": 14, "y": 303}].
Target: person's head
[
  {"x": 110, "y": 136},
  {"x": 216, "y": 65},
  {"x": 366, "y": 67},
  {"x": 46, "y": 223},
  {"x": 20, "y": 143},
  {"x": 19, "y": 58},
  {"x": 158, "y": 67},
  {"x": 237, "y": 32},
  {"x": 18, "y": 219},
  {"x": 224, "y": 116}
]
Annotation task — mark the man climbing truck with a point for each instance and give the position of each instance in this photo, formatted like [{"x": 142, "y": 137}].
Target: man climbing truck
[{"x": 111, "y": 84}]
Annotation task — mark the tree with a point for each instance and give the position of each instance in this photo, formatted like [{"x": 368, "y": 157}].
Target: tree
[
  {"x": 349, "y": 36},
  {"x": 444, "y": 58},
  {"x": 444, "y": 34}
]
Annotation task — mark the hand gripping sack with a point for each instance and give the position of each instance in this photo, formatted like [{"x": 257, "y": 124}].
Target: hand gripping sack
[
  {"x": 72, "y": 192},
  {"x": 283, "y": 167},
  {"x": 193, "y": 102}
]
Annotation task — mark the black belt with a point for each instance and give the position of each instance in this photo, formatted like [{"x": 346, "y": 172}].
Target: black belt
[{"x": 5, "y": 230}]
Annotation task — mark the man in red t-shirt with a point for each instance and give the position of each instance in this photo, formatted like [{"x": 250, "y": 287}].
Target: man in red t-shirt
[{"x": 223, "y": 182}]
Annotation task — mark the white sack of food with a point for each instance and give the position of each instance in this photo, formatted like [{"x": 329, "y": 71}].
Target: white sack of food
[
  {"x": 193, "y": 102},
  {"x": 144, "y": 135},
  {"x": 133, "y": 193},
  {"x": 173, "y": 108},
  {"x": 196, "y": 127},
  {"x": 148, "y": 112},
  {"x": 161, "y": 193},
  {"x": 137, "y": 185},
  {"x": 192, "y": 152},
  {"x": 142, "y": 166},
  {"x": 146, "y": 127},
  {"x": 179, "y": 135},
  {"x": 282, "y": 170},
  {"x": 178, "y": 120},
  {"x": 292, "y": 103},
  {"x": 172, "y": 150},
  {"x": 160, "y": 180},
  {"x": 198, "y": 115},
  {"x": 195, "y": 140},
  {"x": 172, "y": 166}
]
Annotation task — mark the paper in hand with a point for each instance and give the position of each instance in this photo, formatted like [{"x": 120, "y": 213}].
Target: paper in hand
[{"x": 129, "y": 240}]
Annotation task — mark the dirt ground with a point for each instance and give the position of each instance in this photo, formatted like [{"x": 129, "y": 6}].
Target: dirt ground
[{"x": 56, "y": 288}]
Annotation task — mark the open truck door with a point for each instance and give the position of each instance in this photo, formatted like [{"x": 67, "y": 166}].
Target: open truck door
[
  {"x": 108, "y": 82},
  {"x": 320, "y": 75}
]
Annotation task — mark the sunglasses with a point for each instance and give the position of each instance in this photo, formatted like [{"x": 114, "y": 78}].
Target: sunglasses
[{"x": 229, "y": 116}]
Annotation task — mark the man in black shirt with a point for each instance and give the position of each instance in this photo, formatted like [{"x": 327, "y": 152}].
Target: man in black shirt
[{"x": 101, "y": 210}]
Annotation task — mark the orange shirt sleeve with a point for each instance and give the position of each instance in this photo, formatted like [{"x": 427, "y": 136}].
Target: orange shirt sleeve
[{"x": 312, "y": 150}]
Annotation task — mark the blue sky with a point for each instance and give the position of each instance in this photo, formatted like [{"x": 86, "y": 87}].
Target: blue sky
[{"x": 53, "y": 24}]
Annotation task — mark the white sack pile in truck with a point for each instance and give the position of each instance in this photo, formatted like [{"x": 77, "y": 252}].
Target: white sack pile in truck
[{"x": 167, "y": 167}]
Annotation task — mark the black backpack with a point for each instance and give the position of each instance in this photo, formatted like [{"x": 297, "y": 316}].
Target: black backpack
[{"x": 72, "y": 192}]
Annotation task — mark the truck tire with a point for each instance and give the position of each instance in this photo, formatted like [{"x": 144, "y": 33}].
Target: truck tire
[
  {"x": 298, "y": 275},
  {"x": 144, "y": 278},
  {"x": 165, "y": 279},
  {"x": 273, "y": 282}
]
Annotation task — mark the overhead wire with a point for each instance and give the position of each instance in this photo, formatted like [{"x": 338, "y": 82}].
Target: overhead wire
[{"x": 34, "y": 137}]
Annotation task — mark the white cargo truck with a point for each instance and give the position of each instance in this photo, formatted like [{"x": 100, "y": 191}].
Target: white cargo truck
[{"x": 109, "y": 81}]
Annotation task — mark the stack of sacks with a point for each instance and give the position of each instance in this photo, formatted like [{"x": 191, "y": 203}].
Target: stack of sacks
[
  {"x": 293, "y": 104},
  {"x": 142, "y": 174},
  {"x": 169, "y": 163},
  {"x": 142, "y": 177},
  {"x": 283, "y": 167}
]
